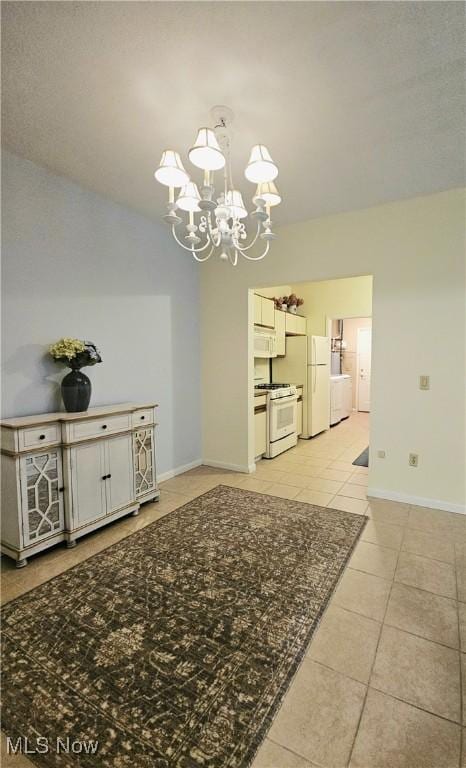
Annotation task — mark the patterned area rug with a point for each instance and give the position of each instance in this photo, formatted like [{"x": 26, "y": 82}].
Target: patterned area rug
[{"x": 175, "y": 646}]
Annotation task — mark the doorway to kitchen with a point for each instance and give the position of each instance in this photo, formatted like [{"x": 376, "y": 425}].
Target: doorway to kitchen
[{"x": 305, "y": 337}]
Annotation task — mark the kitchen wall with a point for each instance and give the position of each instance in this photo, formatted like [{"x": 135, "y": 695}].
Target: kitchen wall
[
  {"x": 261, "y": 370},
  {"x": 350, "y": 297},
  {"x": 415, "y": 251},
  {"x": 275, "y": 292},
  {"x": 76, "y": 264},
  {"x": 349, "y": 356}
]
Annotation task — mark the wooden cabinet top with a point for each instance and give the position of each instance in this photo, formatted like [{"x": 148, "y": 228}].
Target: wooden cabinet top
[{"x": 92, "y": 413}]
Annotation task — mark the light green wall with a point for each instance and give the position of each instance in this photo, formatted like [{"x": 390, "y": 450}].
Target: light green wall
[
  {"x": 275, "y": 291},
  {"x": 348, "y": 297},
  {"x": 415, "y": 251}
]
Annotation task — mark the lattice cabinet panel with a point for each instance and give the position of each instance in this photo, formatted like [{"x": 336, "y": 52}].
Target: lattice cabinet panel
[
  {"x": 144, "y": 464},
  {"x": 41, "y": 481}
]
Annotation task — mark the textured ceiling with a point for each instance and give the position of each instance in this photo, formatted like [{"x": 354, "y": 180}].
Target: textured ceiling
[{"x": 359, "y": 103}]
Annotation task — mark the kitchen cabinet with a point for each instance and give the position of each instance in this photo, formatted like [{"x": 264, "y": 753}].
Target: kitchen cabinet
[
  {"x": 299, "y": 413},
  {"x": 260, "y": 426},
  {"x": 347, "y": 396},
  {"x": 257, "y": 309},
  {"x": 65, "y": 474},
  {"x": 264, "y": 311},
  {"x": 280, "y": 323},
  {"x": 295, "y": 325}
]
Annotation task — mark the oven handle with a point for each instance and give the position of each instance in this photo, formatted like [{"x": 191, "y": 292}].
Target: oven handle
[{"x": 284, "y": 400}]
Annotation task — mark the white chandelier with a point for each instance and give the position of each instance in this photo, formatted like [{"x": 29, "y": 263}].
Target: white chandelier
[{"x": 220, "y": 224}]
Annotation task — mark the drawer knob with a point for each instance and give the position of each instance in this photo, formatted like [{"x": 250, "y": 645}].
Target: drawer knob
[
  {"x": 143, "y": 417},
  {"x": 61, "y": 489},
  {"x": 41, "y": 437},
  {"x": 104, "y": 426}
]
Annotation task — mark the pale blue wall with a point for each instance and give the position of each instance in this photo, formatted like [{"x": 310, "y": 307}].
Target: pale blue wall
[{"x": 76, "y": 264}]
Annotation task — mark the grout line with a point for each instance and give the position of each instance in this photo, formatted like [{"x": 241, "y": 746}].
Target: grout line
[
  {"x": 462, "y": 693},
  {"x": 374, "y": 660},
  {"x": 427, "y": 557},
  {"x": 416, "y": 706},
  {"x": 337, "y": 671},
  {"x": 292, "y": 751}
]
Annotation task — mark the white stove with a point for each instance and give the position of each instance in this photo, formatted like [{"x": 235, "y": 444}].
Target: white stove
[
  {"x": 275, "y": 391},
  {"x": 281, "y": 417}
]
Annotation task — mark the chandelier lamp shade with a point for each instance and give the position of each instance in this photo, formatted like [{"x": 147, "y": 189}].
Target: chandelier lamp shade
[
  {"x": 261, "y": 167},
  {"x": 268, "y": 192},
  {"x": 216, "y": 220},
  {"x": 170, "y": 171},
  {"x": 189, "y": 197},
  {"x": 206, "y": 153}
]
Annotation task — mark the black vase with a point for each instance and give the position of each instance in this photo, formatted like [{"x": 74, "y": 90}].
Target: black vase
[{"x": 76, "y": 391}]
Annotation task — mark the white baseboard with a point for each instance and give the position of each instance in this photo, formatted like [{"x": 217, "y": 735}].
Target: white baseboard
[
  {"x": 418, "y": 501},
  {"x": 178, "y": 470},
  {"x": 225, "y": 465}
]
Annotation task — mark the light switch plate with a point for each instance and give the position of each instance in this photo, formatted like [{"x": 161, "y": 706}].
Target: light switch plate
[{"x": 424, "y": 382}]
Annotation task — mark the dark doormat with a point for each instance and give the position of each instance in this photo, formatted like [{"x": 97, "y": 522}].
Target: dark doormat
[
  {"x": 174, "y": 647},
  {"x": 363, "y": 458}
]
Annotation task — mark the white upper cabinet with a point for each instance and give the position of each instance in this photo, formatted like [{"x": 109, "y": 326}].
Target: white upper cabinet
[
  {"x": 295, "y": 325},
  {"x": 280, "y": 323},
  {"x": 264, "y": 311}
]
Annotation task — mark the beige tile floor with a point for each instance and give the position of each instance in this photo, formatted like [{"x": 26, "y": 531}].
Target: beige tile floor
[{"x": 383, "y": 683}]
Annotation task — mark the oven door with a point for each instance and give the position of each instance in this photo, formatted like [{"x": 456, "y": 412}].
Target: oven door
[{"x": 282, "y": 417}]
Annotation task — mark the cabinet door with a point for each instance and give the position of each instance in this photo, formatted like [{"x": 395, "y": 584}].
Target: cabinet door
[
  {"x": 42, "y": 499},
  {"x": 120, "y": 484},
  {"x": 260, "y": 433},
  {"x": 280, "y": 320},
  {"x": 290, "y": 323},
  {"x": 257, "y": 309},
  {"x": 299, "y": 417},
  {"x": 88, "y": 472},
  {"x": 268, "y": 313},
  {"x": 300, "y": 325},
  {"x": 144, "y": 461}
]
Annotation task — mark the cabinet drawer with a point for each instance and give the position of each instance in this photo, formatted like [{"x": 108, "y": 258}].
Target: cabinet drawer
[
  {"x": 35, "y": 437},
  {"x": 142, "y": 417},
  {"x": 84, "y": 430}
]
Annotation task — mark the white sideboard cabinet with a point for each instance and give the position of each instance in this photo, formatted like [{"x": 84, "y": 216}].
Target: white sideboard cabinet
[{"x": 65, "y": 474}]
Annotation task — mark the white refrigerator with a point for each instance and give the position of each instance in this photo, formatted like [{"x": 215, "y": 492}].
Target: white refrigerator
[{"x": 307, "y": 362}]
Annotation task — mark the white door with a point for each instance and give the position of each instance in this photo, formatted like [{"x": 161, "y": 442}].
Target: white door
[
  {"x": 88, "y": 482},
  {"x": 119, "y": 460},
  {"x": 364, "y": 368},
  {"x": 319, "y": 397}
]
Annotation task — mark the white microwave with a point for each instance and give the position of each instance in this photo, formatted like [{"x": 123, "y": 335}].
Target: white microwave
[{"x": 265, "y": 344}]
